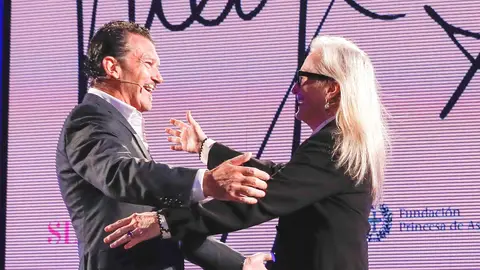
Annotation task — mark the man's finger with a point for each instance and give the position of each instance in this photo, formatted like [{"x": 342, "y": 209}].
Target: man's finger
[
  {"x": 137, "y": 238},
  {"x": 119, "y": 223},
  {"x": 122, "y": 240},
  {"x": 240, "y": 159},
  {"x": 169, "y": 131},
  {"x": 249, "y": 171},
  {"x": 250, "y": 192},
  {"x": 132, "y": 243},
  {"x": 173, "y": 139},
  {"x": 254, "y": 182},
  {"x": 176, "y": 147},
  {"x": 118, "y": 233},
  {"x": 177, "y": 123},
  {"x": 247, "y": 200},
  {"x": 173, "y": 132}
]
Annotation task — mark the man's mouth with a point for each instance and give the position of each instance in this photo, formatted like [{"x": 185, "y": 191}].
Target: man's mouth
[{"x": 149, "y": 87}]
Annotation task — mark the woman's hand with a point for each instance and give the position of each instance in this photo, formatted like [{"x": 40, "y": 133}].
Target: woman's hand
[
  {"x": 188, "y": 137},
  {"x": 132, "y": 230}
]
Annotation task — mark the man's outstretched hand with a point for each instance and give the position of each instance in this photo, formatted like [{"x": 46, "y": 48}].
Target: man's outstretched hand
[{"x": 230, "y": 181}]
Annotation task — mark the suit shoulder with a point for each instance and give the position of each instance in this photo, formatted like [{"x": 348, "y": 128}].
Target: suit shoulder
[
  {"x": 86, "y": 114},
  {"x": 318, "y": 151},
  {"x": 85, "y": 110},
  {"x": 323, "y": 141},
  {"x": 83, "y": 120}
]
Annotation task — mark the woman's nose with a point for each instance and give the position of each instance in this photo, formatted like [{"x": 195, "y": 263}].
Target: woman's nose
[{"x": 295, "y": 89}]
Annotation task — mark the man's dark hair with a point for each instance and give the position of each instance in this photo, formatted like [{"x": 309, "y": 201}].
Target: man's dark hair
[{"x": 110, "y": 40}]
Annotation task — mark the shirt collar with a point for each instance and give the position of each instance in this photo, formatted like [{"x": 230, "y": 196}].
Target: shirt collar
[
  {"x": 323, "y": 124},
  {"x": 125, "y": 109},
  {"x": 133, "y": 116}
]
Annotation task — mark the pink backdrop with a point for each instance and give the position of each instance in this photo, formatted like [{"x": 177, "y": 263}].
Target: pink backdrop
[{"x": 233, "y": 77}]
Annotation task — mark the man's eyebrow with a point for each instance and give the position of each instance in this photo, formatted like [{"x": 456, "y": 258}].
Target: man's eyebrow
[
  {"x": 149, "y": 57},
  {"x": 155, "y": 60}
]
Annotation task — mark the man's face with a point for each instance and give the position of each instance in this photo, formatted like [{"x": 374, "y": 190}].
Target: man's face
[
  {"x": 310, "y": 95},
  {"x": 140, "y": 65}
]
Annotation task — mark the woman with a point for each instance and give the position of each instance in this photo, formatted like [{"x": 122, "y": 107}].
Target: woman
[{"x": 323, "y": 195}]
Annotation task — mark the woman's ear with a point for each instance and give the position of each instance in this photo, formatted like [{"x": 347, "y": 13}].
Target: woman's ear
[{"x": 332, "y": 94}]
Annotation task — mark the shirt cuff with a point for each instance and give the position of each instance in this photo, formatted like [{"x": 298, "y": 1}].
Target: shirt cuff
[
  {"x": 164, "y": 230},
  {"x": 197, "y": 189},
  {"x": 207, "y": 145}
]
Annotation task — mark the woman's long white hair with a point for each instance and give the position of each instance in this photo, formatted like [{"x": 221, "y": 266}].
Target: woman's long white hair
[{"x": 362, "y": 141}]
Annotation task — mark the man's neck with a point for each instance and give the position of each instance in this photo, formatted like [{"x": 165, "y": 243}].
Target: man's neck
[{"x": 112, "y": 92}]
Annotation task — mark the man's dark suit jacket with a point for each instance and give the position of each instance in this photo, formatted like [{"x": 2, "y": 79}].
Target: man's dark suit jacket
[
  {"x": 105, "y": 174},
  {"x": 323, "y": 220}
]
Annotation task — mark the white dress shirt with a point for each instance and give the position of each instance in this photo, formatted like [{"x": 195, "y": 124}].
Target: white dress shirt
[{"x": 136, "y": 120}]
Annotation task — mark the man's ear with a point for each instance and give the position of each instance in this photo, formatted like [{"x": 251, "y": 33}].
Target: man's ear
[{"x": 111, "y": 67}]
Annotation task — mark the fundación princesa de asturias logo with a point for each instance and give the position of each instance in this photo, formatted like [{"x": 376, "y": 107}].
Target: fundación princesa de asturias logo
[{"x": 380, "y": 220}]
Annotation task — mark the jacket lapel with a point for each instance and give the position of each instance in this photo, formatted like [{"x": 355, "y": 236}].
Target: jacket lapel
[
  {"x": 140, "y": 143},
  {"x": 91, "y": 98}
]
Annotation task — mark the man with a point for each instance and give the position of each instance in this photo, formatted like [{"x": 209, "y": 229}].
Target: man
[
  {"x": 323, "y": 195},
  {"x": 104, "y": 168}
]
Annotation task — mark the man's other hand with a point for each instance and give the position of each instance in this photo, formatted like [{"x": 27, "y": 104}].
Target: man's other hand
[
  {"x": 132, "y": 230},
  {"x": 187, "y": 137},
  {"x": 257, "y": 261}
]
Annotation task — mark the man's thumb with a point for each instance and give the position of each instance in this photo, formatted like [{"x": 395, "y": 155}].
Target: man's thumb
[
  {"x": 268, "y": 257},
  {"x": 190, "y": 117},
  {"x": 239, "y": 160}
]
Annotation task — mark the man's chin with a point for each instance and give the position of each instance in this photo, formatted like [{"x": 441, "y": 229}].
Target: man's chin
[{"x": 146, "y": 108}]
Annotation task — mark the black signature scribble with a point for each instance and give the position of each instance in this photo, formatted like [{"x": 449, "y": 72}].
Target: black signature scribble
[
  {"x": 371, "y": 14},
  {"x": 156, "y": 9},
  {"x": 131, "y": 10},
  {"x": 196, "y": 11},
  {"x": 451, "y": 31}
]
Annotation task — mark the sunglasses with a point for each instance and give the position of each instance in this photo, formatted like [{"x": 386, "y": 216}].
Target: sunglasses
[{"x": 311, "y": 76}]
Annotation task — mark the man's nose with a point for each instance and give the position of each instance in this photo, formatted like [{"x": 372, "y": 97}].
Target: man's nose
[{"x": 157, "y": 77}]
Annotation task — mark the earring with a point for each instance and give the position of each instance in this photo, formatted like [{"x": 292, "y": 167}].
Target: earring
[{"x": 327, "y": 105}]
